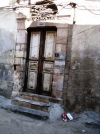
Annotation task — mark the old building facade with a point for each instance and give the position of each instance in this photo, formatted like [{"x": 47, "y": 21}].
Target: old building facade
[{"x": 56, "y": 56}]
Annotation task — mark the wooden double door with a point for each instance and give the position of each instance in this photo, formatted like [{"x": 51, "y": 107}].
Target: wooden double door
[{"x": 40, "y": 60}]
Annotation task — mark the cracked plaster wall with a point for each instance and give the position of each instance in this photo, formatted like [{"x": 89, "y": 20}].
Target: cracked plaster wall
[
  {"x": 82, "y": 81},
  {"x": 7, "y": 48}
]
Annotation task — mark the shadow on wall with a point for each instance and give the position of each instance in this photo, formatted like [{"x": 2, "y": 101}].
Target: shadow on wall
[{"x": 83, "y": 90}]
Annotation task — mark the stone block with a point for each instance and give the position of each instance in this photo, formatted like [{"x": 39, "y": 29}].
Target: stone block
[
  {"x": 19, "y": 61},
  {"x": 20, "y": 47},
  {"x": 26, "y": 97},
  {"x": 21, "y": 82},
  {"x": 23, "y": 47},
  {"x": 35, "y": 98},
  {"x": 54, "y": 85},
  {"x": 58, "y": 70},
  {"x": 17, "y": 47},
  {"x": 19, "y": 54},
  {"x": 15, "y": 93},
  {"x": 20, "y": 68},
  {"x": 61, "y": 56},
  {"x": 62, "y": 32},
  {"x": 21, "y": 74},
  {"x": 58, "y": 82},
  {"x": 64, "y": 48},
  {"x": 15, "y": 87},
  {"x": 44, "y": 100},
  {"x": 62, "y": 40},
  {"x": 56, "y": 94},
  {"x": 24, "y": 104},
  {"x": 21, "y": 36},
  {"x": 61, "y": 48},
  {"x": 20, "y": 24},
  {"x": 59, "y": 63}
]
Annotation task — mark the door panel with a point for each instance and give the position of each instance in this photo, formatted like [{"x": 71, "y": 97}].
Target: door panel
[
  {"x": 34, "y": 45},
  {"x": 33, "y": 64},
  {"x": 48, "y": 67},
  {"x": 47, "y": 79},
  {"x": 49, "y": 45},
  {"x": 49, "y": 58},
  {"x": 32, "y": 80}
]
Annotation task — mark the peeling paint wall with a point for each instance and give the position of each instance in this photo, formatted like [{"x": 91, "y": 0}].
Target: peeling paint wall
[
  {"x": 83, "y": 64},
  {"x": 7, "y": 48}
]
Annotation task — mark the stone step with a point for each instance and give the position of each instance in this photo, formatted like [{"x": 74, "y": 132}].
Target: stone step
[
  {"x": 40, "y": 98},
  {"x": 26, "y": 111},
  {"x": 31, "y": 104}
]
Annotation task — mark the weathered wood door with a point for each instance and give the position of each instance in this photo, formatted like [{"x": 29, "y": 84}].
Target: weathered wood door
[{"x": 40, "y": 60}]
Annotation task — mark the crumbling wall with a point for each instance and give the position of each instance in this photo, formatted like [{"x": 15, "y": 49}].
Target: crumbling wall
[{"x": 20, "y": 56}]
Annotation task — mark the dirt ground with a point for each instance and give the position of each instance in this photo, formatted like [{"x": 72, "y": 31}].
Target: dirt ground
[{"x": 87, "y": 122}]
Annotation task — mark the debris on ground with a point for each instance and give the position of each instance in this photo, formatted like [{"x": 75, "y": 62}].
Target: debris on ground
[{"x": 67, "y": 117}]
